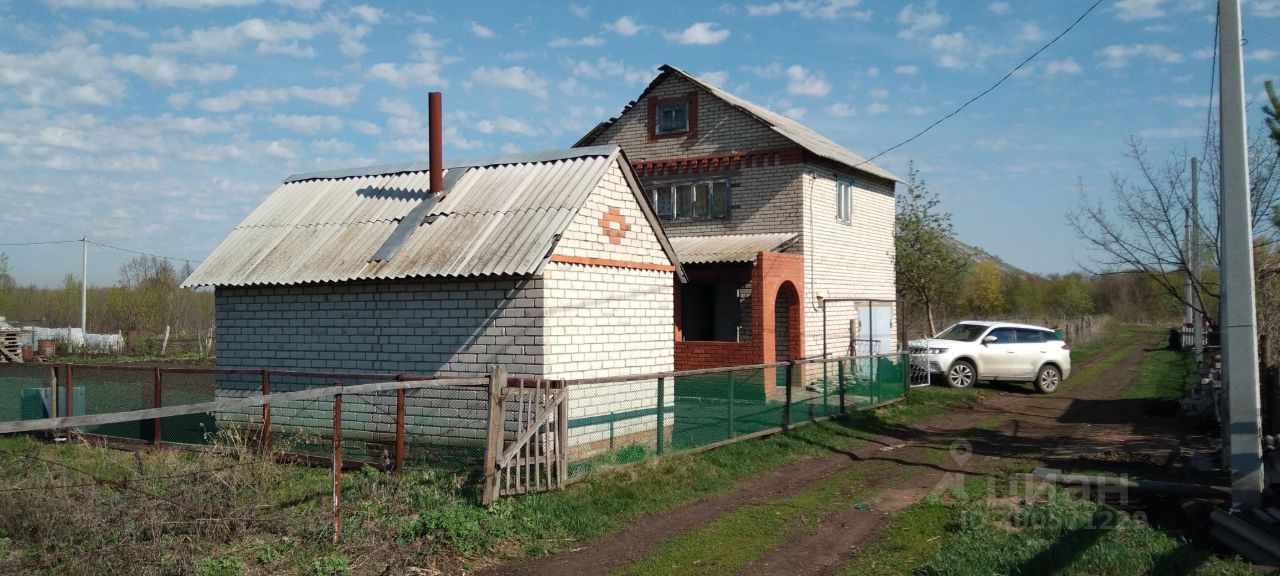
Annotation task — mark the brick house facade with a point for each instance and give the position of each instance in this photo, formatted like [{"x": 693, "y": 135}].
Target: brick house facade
[{"x": 769, "y": 219}]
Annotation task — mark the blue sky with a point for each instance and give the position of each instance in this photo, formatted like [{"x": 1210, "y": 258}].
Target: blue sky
[{"x": 157, "y": 125}]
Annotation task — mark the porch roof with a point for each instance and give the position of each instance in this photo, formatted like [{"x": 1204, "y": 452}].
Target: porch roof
[{"x": 728, "y": 248}]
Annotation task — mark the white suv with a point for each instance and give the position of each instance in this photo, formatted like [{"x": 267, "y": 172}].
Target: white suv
[{"x": 970, "y": 351}]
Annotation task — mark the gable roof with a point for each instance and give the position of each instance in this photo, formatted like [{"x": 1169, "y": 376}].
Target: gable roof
[
  {"x": 796, "y": 132},
  {"x": 500, "y": 216}
]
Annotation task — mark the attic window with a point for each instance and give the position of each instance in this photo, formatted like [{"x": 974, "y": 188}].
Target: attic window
[{"x": 673, "y": 117}]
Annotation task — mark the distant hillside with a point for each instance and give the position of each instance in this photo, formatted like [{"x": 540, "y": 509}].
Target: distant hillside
[{"x": 976, "y": 255}]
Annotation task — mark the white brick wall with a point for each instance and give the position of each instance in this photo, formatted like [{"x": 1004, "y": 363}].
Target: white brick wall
[
  {"x": 854, "y": 260},
  {"x": 584, "y": 237}
]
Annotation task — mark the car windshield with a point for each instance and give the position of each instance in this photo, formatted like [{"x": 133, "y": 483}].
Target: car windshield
[{"x": 962, "y": 332}]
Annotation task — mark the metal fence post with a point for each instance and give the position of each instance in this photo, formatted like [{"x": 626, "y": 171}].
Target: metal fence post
[
  {"x": 840, "y": 383},
  {"x": 662, "y": 392},
  {"x": 562, "y": 436},
  {"x": 157, "y": 401},
  {"x": 399, "y": 430},
  {"x": 337, "y": 467},
  {"x": 730, "y": 408},
  {"x": 266, "y": 411},
  {"x": 71, "y": 397},
  {"x": 493, "y": 448},
  {"x": 786, "y": 407}
]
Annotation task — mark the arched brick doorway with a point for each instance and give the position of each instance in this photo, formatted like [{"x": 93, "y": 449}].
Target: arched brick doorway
[{"x": 786, "y": 323}]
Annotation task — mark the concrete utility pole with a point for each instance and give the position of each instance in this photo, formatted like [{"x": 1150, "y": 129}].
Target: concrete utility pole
[
  {"x": 1240, "y": 333},
  {"x": 1197, "y": 302},
  {"x": 84, "y": 285}
]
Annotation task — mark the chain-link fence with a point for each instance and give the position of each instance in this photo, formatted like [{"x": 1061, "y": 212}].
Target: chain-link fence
[{"x": 617, "y": 421}]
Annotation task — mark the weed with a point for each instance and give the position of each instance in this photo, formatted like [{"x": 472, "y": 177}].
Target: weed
[
  {"x": 222, "y": 566},
  {"x": 332, "y": 565}
]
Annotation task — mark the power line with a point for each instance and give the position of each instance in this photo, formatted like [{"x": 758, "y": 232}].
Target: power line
[
  {"x": 176, "y": 259},
  {"x": 39, "y": 243},
  {"x": 101, "y": 245},
  {"x": 1213, "y": 77},
  {"x": 987, "y": 91}
]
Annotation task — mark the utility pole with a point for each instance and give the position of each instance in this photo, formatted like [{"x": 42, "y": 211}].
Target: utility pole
[
  {"x": 1197, "y": 315},
  {"x": 84, "y": 285},
  {"x": 1240, "y": 333}
]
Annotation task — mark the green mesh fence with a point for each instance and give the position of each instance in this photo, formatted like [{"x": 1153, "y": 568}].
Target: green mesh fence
[{"x": 622, "y": 422}]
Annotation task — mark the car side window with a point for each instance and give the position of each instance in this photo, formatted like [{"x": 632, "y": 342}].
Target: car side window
[
  {"x": 1050, "y": 336},
  {"x": 1002, "y": 335},
  {"x": 1029, "y": 336}
]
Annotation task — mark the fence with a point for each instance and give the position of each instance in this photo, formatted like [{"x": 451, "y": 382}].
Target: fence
[{"x": 521, "y": 435}]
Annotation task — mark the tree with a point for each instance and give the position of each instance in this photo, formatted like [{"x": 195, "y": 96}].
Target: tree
[
  {"x": 6, "y": 274},
  {"x": 928, "y": 266},
  {"x": 1144, "y": 227},
  {"x": 984, "y": 289}
]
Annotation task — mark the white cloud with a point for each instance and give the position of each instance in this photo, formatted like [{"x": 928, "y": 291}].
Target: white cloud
[
  {"x": 715, "y": 78},
  {"x": 369, "y": 14},
  {"x": 162, "y": 70},
  {"x": 1191, "y": 101},
  {"x": 824, "y": 9},
  {"x": 337, "y": 97},
  {"x": 200, "y": 125},
  {"x": 179, "y": 100},
  {"x": 701, "y": 33},
  {"x": 625, "y": 26},
  {"x": 1030, "y": 32},
  {"x": 873, "y": 71},
  {"x": 803, "y": 83},
  {"x": 795, "y": 112},
  {"x": 309, "y": 125},
  {"x": 919, "y": 111},
  {"x": 772, "y": 70},
  {"x": 880, "y": 93},
  {"x": 605, "y": 68},
  {"x": 590, "y": 41},
  {"x": 907, "y": 70},
  {"x": 101, "y": 26},
  {"x": 1130, "y": 10},
  {"x": 1118, "y": 56},
  {"x": 840, "y": 110},
  {"x": 332, "y": 146},
  {"x": 998, "y": 7},
  {"x": 951, "y": 49},
  {"x": 920, "y": 21},
  {"x": 506, "y": 125},
  {"x": 1065, "y": 66},
  {"x": 877, "y": 108},
  {"x": 72, "y": 75},
  {"x": 365, "y": 127},
  {"x": 268, "y": 36},
  {"x": 1265, "y": 8},
  {"x": 1263, "y": 54},
  {"x": 1203, "y": 53},
  {"x": 93, "y": 4},
  {"x": 480, "y": 30},
  {"x": 580, "y": 11},
  {"x": 515, "y": 78},
  {"x": 1172, "y": 132},
  {"x": 427, "y": 69}
]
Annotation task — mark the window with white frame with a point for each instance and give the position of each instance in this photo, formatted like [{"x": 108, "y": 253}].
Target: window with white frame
[
  {"x": 672, "y": 118},
  {"x": 844, "y": 200},
  {"x": 699, "y": 200}
]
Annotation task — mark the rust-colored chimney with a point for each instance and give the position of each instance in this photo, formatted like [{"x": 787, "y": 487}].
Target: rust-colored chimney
[{"x": 436, "y": 146}]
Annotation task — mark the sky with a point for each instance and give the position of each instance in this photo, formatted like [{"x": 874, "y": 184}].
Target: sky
[{"x": 157, "y": 125}]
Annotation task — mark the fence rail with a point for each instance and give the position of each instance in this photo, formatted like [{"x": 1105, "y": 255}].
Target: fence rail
[{"x": 519, "y": 434}]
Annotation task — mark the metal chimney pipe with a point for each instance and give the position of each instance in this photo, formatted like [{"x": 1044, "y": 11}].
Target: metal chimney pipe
[{"x": 436, "y": 148}]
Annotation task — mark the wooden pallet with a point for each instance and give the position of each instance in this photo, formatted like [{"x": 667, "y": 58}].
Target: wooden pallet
[{"x": 11, "y": 346}]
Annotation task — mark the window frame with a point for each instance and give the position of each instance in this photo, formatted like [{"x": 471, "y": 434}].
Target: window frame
[
  {"x": 844, "y": 200},
  {"x": 690, "y": 99},
  {"x": 681, "y": 213},
  {"x": 657, "y": 117}
]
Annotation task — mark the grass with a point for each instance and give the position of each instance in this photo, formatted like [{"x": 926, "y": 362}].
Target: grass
[{"x": 983, "y": 531}]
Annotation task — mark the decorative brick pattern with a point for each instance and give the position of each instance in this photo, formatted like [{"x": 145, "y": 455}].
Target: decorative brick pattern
[{"x": 613, "y": 225}]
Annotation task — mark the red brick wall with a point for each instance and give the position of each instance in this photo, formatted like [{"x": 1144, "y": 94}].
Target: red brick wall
[{"x": 709, "y": 354}]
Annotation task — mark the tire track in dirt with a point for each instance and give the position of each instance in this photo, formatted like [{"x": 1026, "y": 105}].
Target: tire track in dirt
[{"x": 633, "y": 544}]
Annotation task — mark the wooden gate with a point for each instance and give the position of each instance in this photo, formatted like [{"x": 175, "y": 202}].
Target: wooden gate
[{"x": 528, "y": 436}]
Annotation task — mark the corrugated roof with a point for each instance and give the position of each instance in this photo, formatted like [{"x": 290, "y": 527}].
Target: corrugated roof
[
  {"x": 802, "y": 135},
  {"x": 502, "y": 217},
  {"x": 729, "y": 248}
]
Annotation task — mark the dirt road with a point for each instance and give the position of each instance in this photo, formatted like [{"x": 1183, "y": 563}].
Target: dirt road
[{"x": 1086, "y": 425}]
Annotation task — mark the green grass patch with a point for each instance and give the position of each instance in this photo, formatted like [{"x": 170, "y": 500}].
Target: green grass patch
[{"x": 1165, "y": 374}]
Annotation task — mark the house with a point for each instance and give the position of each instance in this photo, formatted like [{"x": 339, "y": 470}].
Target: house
[
  {"x": 550, "y": 263},
  {"x": 786, "y": 236}
]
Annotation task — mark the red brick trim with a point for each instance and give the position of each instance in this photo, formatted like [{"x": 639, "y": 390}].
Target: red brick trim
[
  {"x": 691, "y": 98},
  {"x": 613, "y": 216},
  {"x": 719, "y": 162},
  {"x": 612, "y": 263}
]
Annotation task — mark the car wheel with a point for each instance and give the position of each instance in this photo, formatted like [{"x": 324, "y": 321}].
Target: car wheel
[
  {"x": 1048, "y": 379},
  {"x": 961, "y": 374}
]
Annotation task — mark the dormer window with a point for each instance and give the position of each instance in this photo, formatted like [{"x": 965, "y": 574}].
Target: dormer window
[
  {"x": 672, "y": 118},
  {"x": 675, "y": 117}
]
